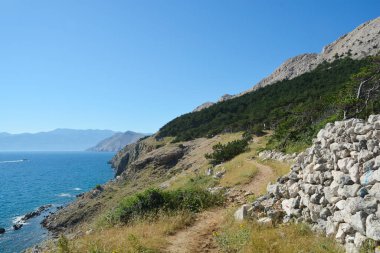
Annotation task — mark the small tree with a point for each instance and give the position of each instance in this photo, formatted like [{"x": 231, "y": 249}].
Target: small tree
[
  {"x": 363, "y": 87},
  {"x": 222, "y": 153}
]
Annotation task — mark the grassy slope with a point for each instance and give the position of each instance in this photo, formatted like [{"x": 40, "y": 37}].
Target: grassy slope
[{"x": 153, "y": 234}]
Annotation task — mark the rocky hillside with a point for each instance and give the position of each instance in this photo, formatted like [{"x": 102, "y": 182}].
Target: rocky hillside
[
  {"x": 141, "y": 165},
  {"x": 294, "y": 109},
  {"x": 116, "y": 142},
  {"x": 363, "y": 41},
  {"x": 360, "y": 43},
  {"x": 334, "y": 185}
]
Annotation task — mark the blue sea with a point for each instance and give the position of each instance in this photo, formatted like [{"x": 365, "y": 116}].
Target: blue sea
[{"x": 29, "y": 180}]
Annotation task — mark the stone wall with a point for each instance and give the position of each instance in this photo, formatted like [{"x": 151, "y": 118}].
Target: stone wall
[
  {"x": 334, "y": 185},
  {"x": 278, "y": 156}
]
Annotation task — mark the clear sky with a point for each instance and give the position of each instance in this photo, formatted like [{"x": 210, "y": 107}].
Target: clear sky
[{"x": 135, "y": 65}]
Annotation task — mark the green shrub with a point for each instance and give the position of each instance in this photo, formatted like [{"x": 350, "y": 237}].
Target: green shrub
[
  {"x": 152, "y": 201},
  {"x": 222, "y": 153}
]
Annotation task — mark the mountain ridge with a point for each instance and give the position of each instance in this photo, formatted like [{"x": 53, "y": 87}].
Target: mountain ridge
[
  {"x": 117, "y": 141},
  {"x": 60, "y": 139},
  {"x": 361, "y": 42}
]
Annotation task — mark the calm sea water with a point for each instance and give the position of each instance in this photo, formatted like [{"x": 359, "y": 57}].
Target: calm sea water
[{"x": 44, "y": 178}]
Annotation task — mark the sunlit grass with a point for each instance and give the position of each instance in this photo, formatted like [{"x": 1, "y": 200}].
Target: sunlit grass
[
  {"x": 146, "y": 235},
  {"x": 279, "y": 168},
  {"x": 240, "y": 170},
  {"x": 250, "y": 237}
]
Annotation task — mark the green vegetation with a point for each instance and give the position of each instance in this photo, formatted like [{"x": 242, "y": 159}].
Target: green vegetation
[
  {"x": 153, "y": 201},
  {"x": 63, "y": 245},
  {"x": 222, "y": 153},
  {"x": 249, "y": 237},
  {"x": 295, "y": 109}
]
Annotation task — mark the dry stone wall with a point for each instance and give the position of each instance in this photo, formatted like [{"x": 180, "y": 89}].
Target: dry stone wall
[{"x": 334, "y": 185}]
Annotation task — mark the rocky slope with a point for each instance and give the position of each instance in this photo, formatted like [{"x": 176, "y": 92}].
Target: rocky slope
[
  {"x": 116, "y": 142},
  {"x": 334, "y": 185},
  {"x": 361, "y": 42},
  {"x": 146, "y": 163},
  {"x": 203, "y": 106}
]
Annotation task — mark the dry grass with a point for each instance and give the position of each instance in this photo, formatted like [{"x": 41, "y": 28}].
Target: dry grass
[
  {"x": 148, "y": 235},
  {"x": 152, "y": 235},
  {"x": 199, "y": 164},
  {"x": 240, "y": 170},
  {"x": 291, "y": 238},
  {"x": 279, "y": 168},
  {"x": 250, "y": 237}
]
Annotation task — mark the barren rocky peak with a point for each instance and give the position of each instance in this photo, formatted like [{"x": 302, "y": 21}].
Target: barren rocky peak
[
  {"x": 203, "y": 106},
  {"x": 289, "y": 69},
  {"x": 361, "y": 42}
]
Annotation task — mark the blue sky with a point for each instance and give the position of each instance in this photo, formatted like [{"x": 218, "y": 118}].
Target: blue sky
[{"x": 135, "y": 65}]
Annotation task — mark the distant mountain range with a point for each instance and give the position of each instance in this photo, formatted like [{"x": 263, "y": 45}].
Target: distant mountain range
[
  {"x": 117, "y": 141},
  {"x": 57, "y": 140}
]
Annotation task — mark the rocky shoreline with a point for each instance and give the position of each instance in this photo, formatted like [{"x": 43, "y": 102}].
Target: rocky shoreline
[{"x": 19, "y": 223}]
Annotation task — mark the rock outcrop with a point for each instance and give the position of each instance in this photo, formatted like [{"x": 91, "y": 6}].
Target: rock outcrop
[
  {"x": 140, "y": 155},
  {"x": 361, "y": 42},
  {"x": 203, "y": 106},
  {"x": 334, "y": 185},
  {"x": 276, "y": 155}
]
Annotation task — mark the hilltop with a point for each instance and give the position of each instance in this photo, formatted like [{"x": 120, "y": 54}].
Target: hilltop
[{"x": 362, "y": 42}]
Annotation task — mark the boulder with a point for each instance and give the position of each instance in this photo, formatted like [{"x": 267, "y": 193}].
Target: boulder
[
  {"x": 358, "y": 222},
  {"x": 349, "y": 190},
  {"x": 17, "y": 226},
  {"x": 273, "y": 189},
  {"x": 343, "y": 229},
  {"x": 370, "y": 177},
  {"x": 290, "y": 206},
  {"x": 373, "y": 227},
  {"x": 354, "y": 173},
  {"x": 359, "y": 239},
  {"x": 373, "y": 119},
  {"x": 242, "y": 212},
  {"x": 265, "y": 221},
  {"x": 2, "y": 230},
  {"x": 375, "y": 191},
  {"x": 340, "y": 204},
  {"x": 331, "y": 227},
  {"x": 364, "y": 155}
]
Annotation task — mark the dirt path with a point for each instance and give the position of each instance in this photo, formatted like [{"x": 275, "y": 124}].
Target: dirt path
[
  {"x": 258, "y": 184},
  {"x": 199, "y": 237}
]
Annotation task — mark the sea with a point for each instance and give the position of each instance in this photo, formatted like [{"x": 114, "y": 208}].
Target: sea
[{"x": 29, "y": 180}]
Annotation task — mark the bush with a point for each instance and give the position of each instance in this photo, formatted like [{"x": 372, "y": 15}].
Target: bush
[
  {"x": 223, "y": 153},
  {"x": 152, "y": 201}
]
